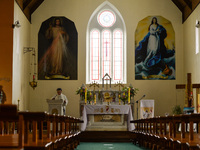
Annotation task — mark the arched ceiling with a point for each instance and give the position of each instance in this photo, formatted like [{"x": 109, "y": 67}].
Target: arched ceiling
[{"x": 185, "y": 6}]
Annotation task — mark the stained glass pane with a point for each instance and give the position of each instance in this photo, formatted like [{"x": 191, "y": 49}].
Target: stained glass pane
[
  {"x": 106, "y": 18},
  {"x": 118, "y": 54},
  {"x": 106, "y": 63},
  {"x": 95, "y": 49}
]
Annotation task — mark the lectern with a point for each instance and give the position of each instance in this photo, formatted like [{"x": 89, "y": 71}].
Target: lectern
[{"x": 55, "y": 106}]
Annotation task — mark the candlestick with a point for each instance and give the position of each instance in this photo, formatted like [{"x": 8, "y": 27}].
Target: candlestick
[
  {"x": 18, "y": 105},
  {"x": 129, "y": 94},
  {"x": 119, "y": 100},
  {"x": 85, "y": 95},
  {"x": 95, "y": 99}
]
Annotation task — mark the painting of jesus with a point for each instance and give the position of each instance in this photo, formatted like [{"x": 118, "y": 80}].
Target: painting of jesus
[{"x": 57, "y": 49}]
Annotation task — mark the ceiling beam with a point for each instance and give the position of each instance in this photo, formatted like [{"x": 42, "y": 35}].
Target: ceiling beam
[
  {"x": 20, "y": 3},
  {"x": 29, "y": 6},
  {"x": 26, "y": 3},
  {"x": 178, "y": 4},
  {"x": 188, "y": 3},
  {"x": 186, "y": 7},
  {"x": 36, "y": 5},
  {"x": 187, "y": 11}
]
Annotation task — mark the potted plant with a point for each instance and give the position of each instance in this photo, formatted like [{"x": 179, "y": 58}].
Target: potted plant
[{"x": 177, "y": 110}]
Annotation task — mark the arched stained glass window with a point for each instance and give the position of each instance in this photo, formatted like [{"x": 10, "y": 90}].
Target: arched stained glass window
[{"x": 106, "y": 45}]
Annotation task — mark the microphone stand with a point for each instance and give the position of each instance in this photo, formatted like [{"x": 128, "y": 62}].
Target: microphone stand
[{"x": 137, "y": 108}]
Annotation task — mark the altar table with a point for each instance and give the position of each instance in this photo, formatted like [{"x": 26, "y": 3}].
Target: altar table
[{"x": 107, "y": 109}]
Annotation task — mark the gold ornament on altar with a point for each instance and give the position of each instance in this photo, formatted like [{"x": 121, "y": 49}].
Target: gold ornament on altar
[{"x": 107, "y": 98}]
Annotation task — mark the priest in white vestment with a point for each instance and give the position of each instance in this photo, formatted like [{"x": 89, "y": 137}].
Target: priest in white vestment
[{"x": 60, "y": 96}]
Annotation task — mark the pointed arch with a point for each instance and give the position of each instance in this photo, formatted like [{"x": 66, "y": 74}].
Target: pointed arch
[{"x": 110, "y": 44}]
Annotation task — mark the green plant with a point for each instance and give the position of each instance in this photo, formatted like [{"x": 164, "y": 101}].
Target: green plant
[{"x": 176, "y": 110}]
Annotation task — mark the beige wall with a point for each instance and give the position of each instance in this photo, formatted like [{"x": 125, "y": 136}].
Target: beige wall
[
  {"x": 21, "y": 38},
  {"x": 79, "y": 11},
  {"x": 191, "y": 59}
]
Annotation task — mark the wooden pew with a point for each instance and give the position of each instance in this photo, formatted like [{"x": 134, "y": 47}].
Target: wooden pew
[
  {"x": 34, "y": 134},
  {"x": 165, "y": 133},
  {"x": 194, "y": 138},
  {"x": 60, "y": 131},
  {"x": 9, "y": 118}
]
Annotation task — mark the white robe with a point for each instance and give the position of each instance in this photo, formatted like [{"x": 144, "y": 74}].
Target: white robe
[{"x": 61, "y": 97}]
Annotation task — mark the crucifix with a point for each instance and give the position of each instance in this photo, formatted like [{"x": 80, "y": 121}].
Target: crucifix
[
  {"x": 120, "y": 85},
  {"x": 94, "y": 94},
  {"x": 95, "y": 84},
  {"x": 189, "y": 87}
]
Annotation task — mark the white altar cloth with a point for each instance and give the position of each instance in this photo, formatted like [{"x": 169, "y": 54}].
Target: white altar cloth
[{"x": 107, "y": 109}]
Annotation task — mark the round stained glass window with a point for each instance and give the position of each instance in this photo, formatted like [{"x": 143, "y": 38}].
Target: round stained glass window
[{"x": 106, "y": 18}]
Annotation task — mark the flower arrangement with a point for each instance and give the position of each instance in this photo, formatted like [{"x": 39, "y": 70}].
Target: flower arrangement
[
  {"x": 124, "y": 97},
  {"x": 89, "y": 96},
  {"x": 133, "y": 91},
  {"x": 81, "y": 91}
]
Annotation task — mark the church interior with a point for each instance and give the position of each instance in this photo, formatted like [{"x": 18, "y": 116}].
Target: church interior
[{"x": 31, "y": 73}]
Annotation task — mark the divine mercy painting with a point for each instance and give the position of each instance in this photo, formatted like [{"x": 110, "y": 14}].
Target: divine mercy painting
[
  {"x": 155, "y": 49},
  {"x": 57, "y": 50}
]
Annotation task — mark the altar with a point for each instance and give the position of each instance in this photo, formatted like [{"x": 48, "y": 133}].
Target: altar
[
  {"x": 107, "y": 109},
  {"x": 107, "y": 112}
]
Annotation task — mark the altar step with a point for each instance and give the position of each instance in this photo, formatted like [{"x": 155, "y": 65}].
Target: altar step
[
  {"x": 107, "y": 126},
  {"x": 106, "y": 136}
]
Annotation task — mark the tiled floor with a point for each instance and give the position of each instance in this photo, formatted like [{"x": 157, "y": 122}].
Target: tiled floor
[{"x": 107, "y": 146}]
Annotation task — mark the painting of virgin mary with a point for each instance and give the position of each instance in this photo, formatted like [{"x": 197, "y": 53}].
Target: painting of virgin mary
[{"x": 155, "y": 49}]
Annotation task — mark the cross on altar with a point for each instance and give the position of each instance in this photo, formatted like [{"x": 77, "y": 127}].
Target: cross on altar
[
  {"x": 107, "y": 78},
  {"x": 189, "y": 86},
  {"x": 119, "y": 84}
]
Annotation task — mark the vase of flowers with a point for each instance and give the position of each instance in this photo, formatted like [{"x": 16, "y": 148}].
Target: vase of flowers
[
  {"x": 133, "y": 91},
  {"x": 81, "y": 92},
  {"x": 89, "y": 97},
  {"x": 124, "y": 97}
]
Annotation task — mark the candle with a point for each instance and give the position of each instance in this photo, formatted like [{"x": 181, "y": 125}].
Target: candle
[
  {"x": 33, "y": 77},
  {"x": 110, "y": 82},
  {"x": 119, "y": 100},
  {"x": 85, "y": 95},
  {"x": 129, "y": 94},
  {"x": 95, "y": 99}
]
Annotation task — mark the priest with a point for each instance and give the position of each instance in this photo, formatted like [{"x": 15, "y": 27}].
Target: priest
[{"x": 60, "y": 96}]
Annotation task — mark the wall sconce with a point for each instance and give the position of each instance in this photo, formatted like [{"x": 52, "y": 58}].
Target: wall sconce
[
  {"x": 32, "y": 83},
  {"x": 16, "y": 24},
  {"x": 197, "y": 24}
]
